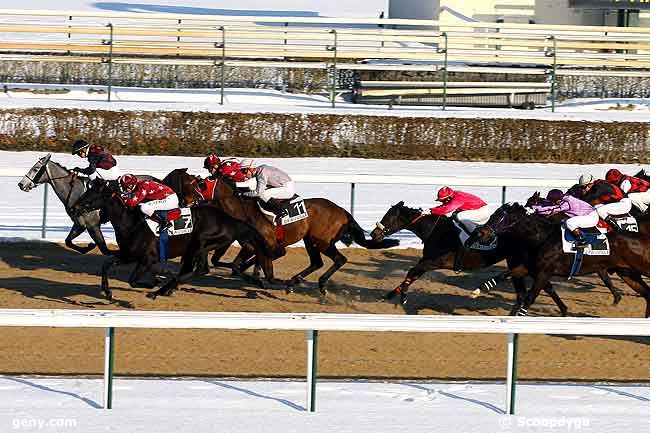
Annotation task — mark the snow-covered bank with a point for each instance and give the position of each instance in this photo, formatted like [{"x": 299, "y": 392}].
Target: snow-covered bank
[
  {"x": 273, "y": 101},
  {"x": 22, "y": 214},
  {"x": 72, "y": 405}
]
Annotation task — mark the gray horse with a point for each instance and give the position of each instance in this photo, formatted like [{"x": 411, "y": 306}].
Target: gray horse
[{"x": 69, "y": 187}]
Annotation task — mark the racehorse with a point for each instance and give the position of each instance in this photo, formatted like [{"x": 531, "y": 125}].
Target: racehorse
[
  {"x": 69, "y": 187},
  {"x": 212, "y": 230},
  {"x": 441, "y": 241},
  {"x": 326, "y": 224},
  {"x": 539, "y": 246}
]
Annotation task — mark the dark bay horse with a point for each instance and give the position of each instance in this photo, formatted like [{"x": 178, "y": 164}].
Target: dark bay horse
[
  {"x": 539, "y": 246},
  {"x": 326, "y": 224},
  {"x": 213, "y": 230},
  {"x": 441, "y": 240},
  {"x": 69, "y": 187}
]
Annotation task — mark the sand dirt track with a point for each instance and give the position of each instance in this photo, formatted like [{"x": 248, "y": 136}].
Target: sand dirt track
[{"x": 44, "y": 275}]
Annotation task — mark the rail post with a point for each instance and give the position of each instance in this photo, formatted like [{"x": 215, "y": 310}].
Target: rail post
[
  {"x": 109, "y": 346},
  {"x": 110, "y": 59},
  {"x": 332, "y": 68},
  {"x": 312, "y": 367},
  {"x": 444, "y": 69},
  {"x": 222, "y": 45},
  {"x": 503, "y": 194},
  {"x": 352, "y": 189},
  {"x": 44, "y": 223},
  {"x": 511, "y": 379},
  {"x": 553, "y": 71}
]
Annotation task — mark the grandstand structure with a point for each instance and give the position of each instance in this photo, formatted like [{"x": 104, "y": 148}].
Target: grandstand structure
[{"x": 329, "y": 44}]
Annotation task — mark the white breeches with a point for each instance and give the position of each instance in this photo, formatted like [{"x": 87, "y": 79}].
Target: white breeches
[
  {"x": 110, "y": 174},
  {"x": 583, "y": 221},
  {"x": 282, "y": 192},
  {"x": 618, "y": 208},
  {"x": 474, "y": 218},
  {"x": 167, "y": 203},
  {"x": 640, "y": 200}
]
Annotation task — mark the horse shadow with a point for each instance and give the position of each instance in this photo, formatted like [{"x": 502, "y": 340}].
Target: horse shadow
[{"x": 59, "y": 292}]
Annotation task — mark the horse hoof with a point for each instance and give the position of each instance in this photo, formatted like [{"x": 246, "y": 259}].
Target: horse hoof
[
  {"x": 289, "y": 289},
  {"x": 475, "y": 294},
  {"x": 152, "y": 295}
]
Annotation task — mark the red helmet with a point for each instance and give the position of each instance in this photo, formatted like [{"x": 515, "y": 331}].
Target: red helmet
[
  {"x": 613, "y": 176},
  {"x": 445, "y": 193},
  {"x": 128, "y": 182},
  {"x": 211, "y": 160},
  {"x": 232, "y": 170}
]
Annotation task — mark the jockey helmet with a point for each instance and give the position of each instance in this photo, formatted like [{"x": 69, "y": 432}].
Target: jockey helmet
[
  {"x": 247, "y": 163},
  {"x": 128, "y": 182},
  {"x": 613, "y": 176},
  {"x": 79, "y": 145},
  {"x": 585, "y": 179},
  {"x": 211, "y": 160},
  {"x": 445, "y": 193},
  {"x": 554, "y": 195}
]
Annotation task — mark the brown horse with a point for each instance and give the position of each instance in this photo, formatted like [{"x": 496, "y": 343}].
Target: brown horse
[{"x": 326, "y": 224}]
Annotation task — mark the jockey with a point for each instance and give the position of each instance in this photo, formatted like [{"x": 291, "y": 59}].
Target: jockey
[
  {"x": 231, "y": 169},
  {"x": 610, "y": 203},
  {"x": 581, "y": 214},
  {"x": 102, "y": 165},
  {"x": 637, "y": 189},
  {"x": 212, "y": 163},
  {"x": 467, "y": 210},
  {"x": 272, "y": 185},
  {"x": 150, "y": 195}
]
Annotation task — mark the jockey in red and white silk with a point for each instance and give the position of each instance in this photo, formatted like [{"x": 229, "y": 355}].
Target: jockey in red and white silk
[
  {"x": 638, "y": 190},
  {"x": 150, "y": 195},
  {"x": 471, "y": 210},
  {"x": 212, "y": 163}
]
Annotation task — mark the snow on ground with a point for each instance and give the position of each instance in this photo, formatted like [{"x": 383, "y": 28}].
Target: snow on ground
[
  {"x": 58, "y": 405},
  {"x": 275, "y": 101},
  {"x": 22, "y": 215}
]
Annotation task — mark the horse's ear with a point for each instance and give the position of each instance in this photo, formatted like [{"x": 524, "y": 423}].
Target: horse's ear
[
  {"x": 47, "y": 157},
  {"x": 184, "y": 170},
  {"x": 400, "y": 204}
]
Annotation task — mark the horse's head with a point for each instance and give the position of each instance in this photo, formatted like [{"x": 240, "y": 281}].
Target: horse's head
[
  {"x": 534, "y": 199},
  {"x": 396, "y": 218},
  {"x": 96, "y": 197},
  {"x": 501, "y": 221},
  {"x": 36, "y": 175},
  {"x": 187, "y": 187}
]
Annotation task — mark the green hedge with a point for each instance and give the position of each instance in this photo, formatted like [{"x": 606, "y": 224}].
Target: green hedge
[{"x": 254, "y": 134}]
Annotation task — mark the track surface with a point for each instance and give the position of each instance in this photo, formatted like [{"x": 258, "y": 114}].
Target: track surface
[{"x": 44, "y": 275}]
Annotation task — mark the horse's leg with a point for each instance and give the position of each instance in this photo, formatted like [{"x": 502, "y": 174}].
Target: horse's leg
[
  {"x": 635, "y": 281},
  {"x": 339, "y": 260},
  {"x": 217, "y": 254},
  {"x": 425, "y": 264},
  {"x": 490, "y": 284},
  {"x": 106, "y": 266},
  {"x": 556, "y": 298},
  {"x": 519, "y": 284},
  {"x": 315, "y": 263},
  {"x": 202, "y": 267},
  {"x": 602, "y": 273},
  {"x": 541, "y": 281},
  {"x": 95, "y": 232},
  {"x": 75, "y": 231},
  {"x": 138, "y": 272}
]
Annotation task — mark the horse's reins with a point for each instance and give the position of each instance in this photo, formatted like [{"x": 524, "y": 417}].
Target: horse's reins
[{"x": 413, "y": 221}]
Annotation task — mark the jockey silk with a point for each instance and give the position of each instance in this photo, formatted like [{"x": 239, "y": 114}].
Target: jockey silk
[
  {"x": 462, "y": 201},
  {"x": 147, "y": 190}
]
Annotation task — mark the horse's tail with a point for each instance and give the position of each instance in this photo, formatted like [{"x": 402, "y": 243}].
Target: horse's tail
[
  {"x": 247, "y": 234},
  {"x": 357, "y": 234}
]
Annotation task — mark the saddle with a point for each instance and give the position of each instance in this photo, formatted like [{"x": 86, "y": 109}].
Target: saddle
[
  {"x": 289, "y": 210},
  {"x": 625, "y": 222},
  {"x": 597, "y": 245}
]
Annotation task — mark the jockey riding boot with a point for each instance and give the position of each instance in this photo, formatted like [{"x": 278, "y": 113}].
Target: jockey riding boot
[
  {"x": 460, "y": 253},
  {"x": 163, "y": 224},
  {"x": 276, "y": 208},
  {"x": 612, "y": 222},
  {"x": 580, "y": 241}
]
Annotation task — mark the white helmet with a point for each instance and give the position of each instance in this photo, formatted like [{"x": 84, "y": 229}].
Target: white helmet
[
  {"x": 585, "y": 179},
  {"x": 247, "y": 163}
]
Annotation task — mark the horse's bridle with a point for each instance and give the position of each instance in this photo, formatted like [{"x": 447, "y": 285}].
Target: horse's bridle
[{"x": 386, "y": 232}]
